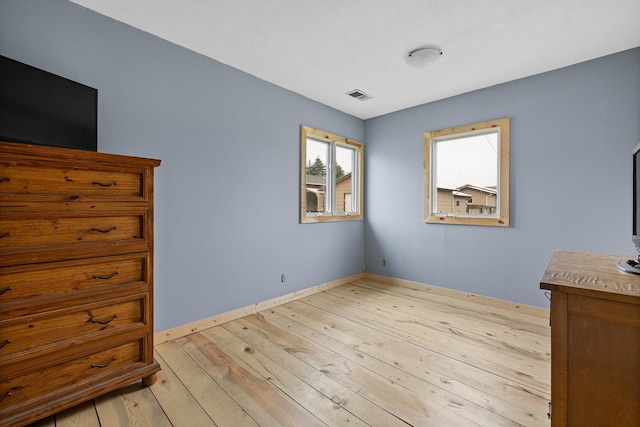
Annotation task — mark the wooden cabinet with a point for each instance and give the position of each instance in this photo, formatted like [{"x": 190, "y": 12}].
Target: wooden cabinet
[
  {"x": 76, "y": 277},
  {"x": 595, "y": 341}
]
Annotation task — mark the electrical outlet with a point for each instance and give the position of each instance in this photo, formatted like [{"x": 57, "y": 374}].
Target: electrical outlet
[{"x": 383, "y": 262}]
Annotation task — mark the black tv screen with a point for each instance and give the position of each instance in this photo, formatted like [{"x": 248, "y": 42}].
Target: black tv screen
[{"x": 38, "y": 107}]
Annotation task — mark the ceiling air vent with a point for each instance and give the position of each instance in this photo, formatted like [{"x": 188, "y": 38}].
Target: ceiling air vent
[{"x": 358, "y": 94}]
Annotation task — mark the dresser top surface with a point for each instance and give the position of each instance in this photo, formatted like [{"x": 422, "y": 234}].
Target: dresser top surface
[
  {"x": 11, "y": 150},
  {"x": 586, "y": 272}
]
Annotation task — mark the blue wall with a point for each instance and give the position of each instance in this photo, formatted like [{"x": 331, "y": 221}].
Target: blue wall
[
  {"x": 227, "y": 191},
  {"x": 572, "y": 132}
]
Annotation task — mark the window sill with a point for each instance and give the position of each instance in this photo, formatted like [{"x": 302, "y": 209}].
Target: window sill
[{"x": 330, "y": 218}]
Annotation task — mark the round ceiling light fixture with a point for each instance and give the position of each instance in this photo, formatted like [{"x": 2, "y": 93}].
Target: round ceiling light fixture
[{"x": 423, "y": 57}]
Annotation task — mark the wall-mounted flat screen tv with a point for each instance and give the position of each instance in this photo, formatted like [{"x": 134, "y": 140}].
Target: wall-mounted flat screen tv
[{"x": 38, "y": 107}]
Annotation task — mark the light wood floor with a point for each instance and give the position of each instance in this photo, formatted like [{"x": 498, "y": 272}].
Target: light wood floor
[{"x": 362, "y": 354}]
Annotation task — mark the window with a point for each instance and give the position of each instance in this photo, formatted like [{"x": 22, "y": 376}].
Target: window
[
  {"x": 470, "y": 161},
  {"x": 331, "y": 177}
]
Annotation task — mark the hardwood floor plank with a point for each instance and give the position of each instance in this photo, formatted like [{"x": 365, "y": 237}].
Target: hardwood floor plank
[
  {"x": 83, "y": 414},
  {"x": 329, "y": 387},
  {"x": 373, "y": 350},
  {"x": 182, "y": 409},
  {"x": 367, "y": 353},
  {"x": 219, "y": 406},
  {"x": 132, "y": 405},
  {"x": 420, "y": 404},
  {"x": 519, "y": 341},
  {"x": 505, "y": 317},
  {"x": 327, "y": 408},
  {"x": 265, "y": 403},
  {"x": 462, "y": 346},
  {"x": 487, "y": 317},
  {"x": 479, "y": 300}
]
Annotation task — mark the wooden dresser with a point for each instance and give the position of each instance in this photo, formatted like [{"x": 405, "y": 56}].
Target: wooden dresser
[
  {"x": 76, "y": 277},
  {"x": 595, "y": 341}
]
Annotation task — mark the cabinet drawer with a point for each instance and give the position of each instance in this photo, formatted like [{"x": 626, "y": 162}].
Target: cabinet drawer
[
  {"x": 22, "y": 334},
  {"x": 16, "y": 233},
  {"x": 54, "y": 379},
  {"x": 69, "y": 279},
  {"x": 51, "y": 180}
]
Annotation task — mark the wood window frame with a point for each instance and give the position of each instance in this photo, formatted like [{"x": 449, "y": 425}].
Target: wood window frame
[
  {"x": 357, "y": 177},
  {"x": 501, "y": 217}
]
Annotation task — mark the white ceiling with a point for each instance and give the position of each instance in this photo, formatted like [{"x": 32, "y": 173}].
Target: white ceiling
[{"x": 322, "y": 49}]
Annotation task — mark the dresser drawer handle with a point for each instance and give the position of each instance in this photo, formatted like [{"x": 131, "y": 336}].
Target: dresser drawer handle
[
  {"x": 93, "y": 365},
  {"x": 3, "y": 235},
  {"x": 5, "y": 179},
  {"x": 5, "y": 290},
  {"x": 8, "y": 394},
  {"x": 101, "y": 184},
  {"x": 112, "y": 275},
  {"x": 104, "y": 322},
  {"x": 105, "y": 230},
  {"x": 5, "y": 343}
]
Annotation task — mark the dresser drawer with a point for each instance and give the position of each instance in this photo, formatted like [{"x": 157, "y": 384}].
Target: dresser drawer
[
  {"x": 31, "y": 332},
  {"x": 68, "y": 280},
  {"x": 53, "y": 379},
  {"x": 54, "y": 236},
  {"x": 17, "y": 233},
  {"x": 60, "y": 181}
]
